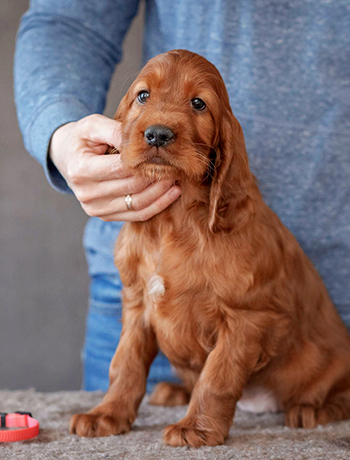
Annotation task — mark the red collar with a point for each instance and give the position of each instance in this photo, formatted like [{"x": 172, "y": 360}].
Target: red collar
[{"x": 24, "y": 420}]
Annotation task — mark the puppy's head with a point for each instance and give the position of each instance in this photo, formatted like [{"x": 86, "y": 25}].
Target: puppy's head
[{"x": 178, "y": 124}]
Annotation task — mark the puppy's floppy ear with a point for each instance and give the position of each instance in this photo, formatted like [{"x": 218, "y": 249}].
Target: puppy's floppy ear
[
  {"x": 125, "y": 103},
  {"x": 231, "y": 205},
  {"x": 123, "y": 107}
]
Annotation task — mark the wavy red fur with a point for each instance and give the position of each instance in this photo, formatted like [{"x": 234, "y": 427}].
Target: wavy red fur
[{"x": 238, "y": 303}]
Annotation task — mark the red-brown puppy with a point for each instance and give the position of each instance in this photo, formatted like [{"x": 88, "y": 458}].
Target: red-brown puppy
[{"x": 215, "y": 281}]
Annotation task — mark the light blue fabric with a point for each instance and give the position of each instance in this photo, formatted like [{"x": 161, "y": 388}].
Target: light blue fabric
[{"x": 286, "y": 65}]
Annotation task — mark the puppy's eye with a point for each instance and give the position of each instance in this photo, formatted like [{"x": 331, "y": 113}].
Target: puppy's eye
[
  {"x": 143, "y": 96},
  {"x": 198, "y": 104}
]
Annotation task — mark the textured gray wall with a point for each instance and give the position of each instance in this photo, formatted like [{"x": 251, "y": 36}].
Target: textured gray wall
[{"x": 43, "y": 274}]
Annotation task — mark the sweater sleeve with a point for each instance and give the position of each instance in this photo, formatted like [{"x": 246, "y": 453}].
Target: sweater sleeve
[{"x": 66, "y": 52}]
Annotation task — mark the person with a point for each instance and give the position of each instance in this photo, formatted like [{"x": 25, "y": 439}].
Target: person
[{"x": 286, "y": 65}]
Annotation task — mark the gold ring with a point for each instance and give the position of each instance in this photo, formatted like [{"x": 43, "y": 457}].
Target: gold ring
[{"x": 128, "y": 201}]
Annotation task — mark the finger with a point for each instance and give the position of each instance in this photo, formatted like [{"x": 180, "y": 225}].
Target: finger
[
  {"x": 111, "y": 190},
  {"x": 100, "y": 130},
  {"x": 95, "y": 168},
  {"x": 150, "y": 195},
  {"x": 150, "y": 211},
  {"x": 139, "y": 200}
]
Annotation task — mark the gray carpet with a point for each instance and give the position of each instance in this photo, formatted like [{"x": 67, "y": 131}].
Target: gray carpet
[{"x": 252, "y": 437}]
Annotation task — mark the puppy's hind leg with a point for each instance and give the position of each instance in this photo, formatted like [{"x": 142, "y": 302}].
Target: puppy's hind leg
[
  {"x": 172, "y": 394},
  {"x": 169, "y": 394},
  {"x": 337, "y": 404},
  {"x": 325, "y": 400},
  {"x": 335, "y": 408}
]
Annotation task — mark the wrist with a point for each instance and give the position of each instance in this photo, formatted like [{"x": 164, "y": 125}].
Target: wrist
[{"x": 56, "y": 146}]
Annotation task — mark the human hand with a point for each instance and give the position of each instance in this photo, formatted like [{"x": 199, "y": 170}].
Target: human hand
[{"x": 100, "y": 182}]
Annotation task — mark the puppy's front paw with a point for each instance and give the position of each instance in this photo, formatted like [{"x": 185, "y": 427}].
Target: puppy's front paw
[
  {"x": 179, "y": 435},
  {"x": 99, "y": 423}
]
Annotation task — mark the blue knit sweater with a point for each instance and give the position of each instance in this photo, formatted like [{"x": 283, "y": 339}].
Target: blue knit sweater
[{"x": 286, "y": 64}]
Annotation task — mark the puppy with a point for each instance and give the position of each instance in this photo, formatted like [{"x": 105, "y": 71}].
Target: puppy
[{"x": 215, "y": 281}]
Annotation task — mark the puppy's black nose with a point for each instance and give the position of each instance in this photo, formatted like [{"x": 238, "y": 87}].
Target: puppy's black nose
[{"x": 158, "y": 135}]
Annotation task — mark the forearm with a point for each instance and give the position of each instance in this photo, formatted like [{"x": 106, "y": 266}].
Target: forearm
[{"x": 65, "y": 56}]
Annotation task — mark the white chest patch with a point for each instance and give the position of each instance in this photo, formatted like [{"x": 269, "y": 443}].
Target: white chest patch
[{"x": 156, "y": 287}]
